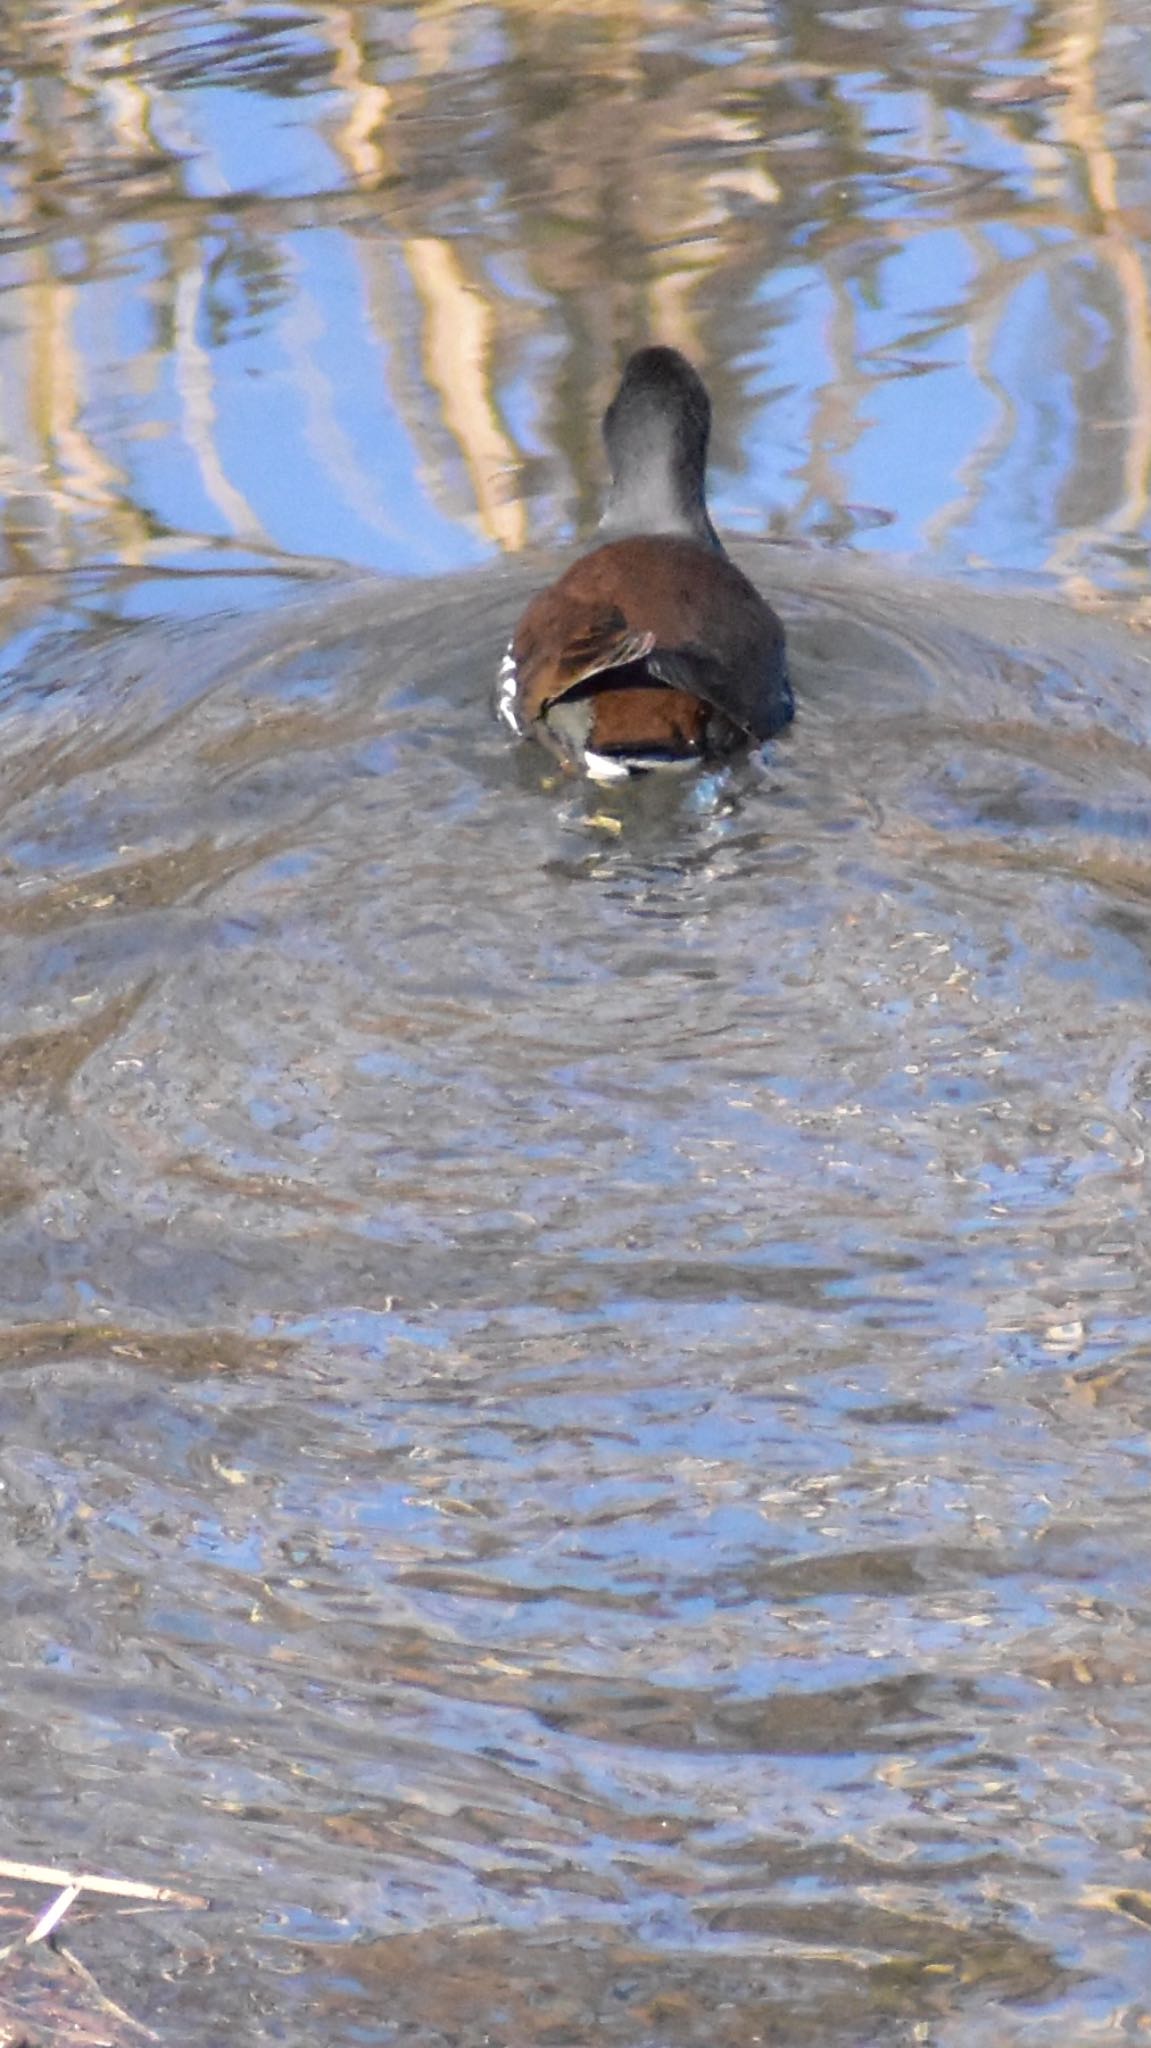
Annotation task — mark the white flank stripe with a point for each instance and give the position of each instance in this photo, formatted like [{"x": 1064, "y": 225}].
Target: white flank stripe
[
  {"x": 506, "y": 691},
  {"x": 613, "y": 767},
  {"x": 602, "y": 768}
]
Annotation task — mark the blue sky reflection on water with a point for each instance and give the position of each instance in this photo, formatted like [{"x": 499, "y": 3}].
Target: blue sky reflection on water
[{"x": 366, "y": 280}]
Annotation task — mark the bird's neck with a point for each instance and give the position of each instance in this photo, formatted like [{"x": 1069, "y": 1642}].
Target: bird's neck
[{"x": 653, "y": 495}]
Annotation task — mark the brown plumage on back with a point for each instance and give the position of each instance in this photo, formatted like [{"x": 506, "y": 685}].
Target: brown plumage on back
[
  {"x": 654, "y": 650},
  {"x": 669, "y": 720}
]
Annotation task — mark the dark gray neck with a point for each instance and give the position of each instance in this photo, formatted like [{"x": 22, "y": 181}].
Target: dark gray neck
[
  {"x": 655, "y": 495},
  {"x": 656, "y": 432}
]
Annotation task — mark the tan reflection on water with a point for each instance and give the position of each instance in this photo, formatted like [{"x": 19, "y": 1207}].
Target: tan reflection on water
[{"x": 1083, "y": 125}]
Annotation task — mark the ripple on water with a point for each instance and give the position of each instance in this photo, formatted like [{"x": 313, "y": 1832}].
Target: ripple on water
[{"x": 575, "y": 1362}]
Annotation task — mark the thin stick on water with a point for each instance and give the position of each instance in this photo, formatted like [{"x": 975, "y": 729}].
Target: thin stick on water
[
  {"x": 112, "y": 1887},
  {"x": 69, "y": 1885},
  {"x": 52, "y": 1914},
  {"x": 109, "y": 2004},
  {"x": 49, "y": 1918}
]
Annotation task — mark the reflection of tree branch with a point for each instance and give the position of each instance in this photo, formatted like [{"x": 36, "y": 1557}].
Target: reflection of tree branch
[
  {"x": 837, "y": 422},
  {"x": 53, "y": 397},
  {"x": 459, "y": 321},
  {"x": 457, "y": 354},
  {"x": 982, "y": 331},
  {"x": 357, "y": 139},
  {"x": 339, "y": 456},
  {"x": 1081, "y": 119},
  {"x": 58, "y": 398},
  {"x": 193, "y": 374}
]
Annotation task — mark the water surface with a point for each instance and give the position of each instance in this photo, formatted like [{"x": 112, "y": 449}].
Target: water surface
[{"x": 573, "y": 1428}]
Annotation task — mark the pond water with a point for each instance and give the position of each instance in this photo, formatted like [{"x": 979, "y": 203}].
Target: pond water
[{"x": 574, "y": 1431}]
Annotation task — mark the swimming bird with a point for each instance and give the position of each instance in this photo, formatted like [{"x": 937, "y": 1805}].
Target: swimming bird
[{"x": 653, "y": 651}]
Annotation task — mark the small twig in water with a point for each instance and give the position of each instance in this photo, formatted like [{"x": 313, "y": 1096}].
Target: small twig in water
[
  {"x": 49, "y": 1918},
  {"x": 108, "y": 2004},
  {"x": 113, "y": 1887}
]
